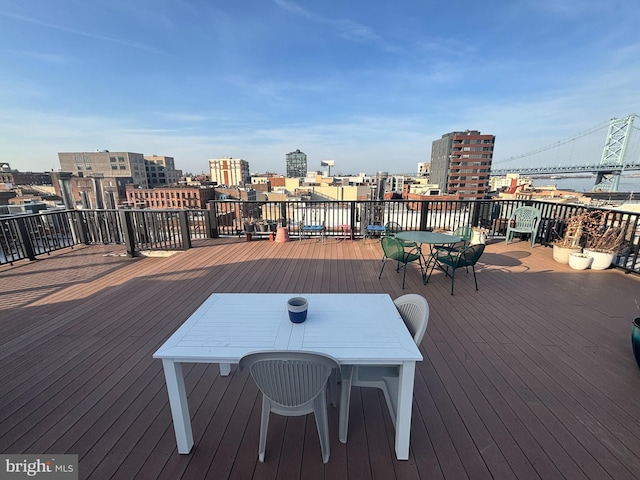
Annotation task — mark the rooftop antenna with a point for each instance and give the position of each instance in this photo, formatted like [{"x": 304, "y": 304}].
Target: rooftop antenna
[{"x": 328, "y": 163}]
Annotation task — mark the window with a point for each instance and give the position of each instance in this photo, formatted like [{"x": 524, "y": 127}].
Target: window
[
  {"x": 121, "y": 159},
  {"x": 88, "y": 167},
  {"x": 112, "y": 159}
]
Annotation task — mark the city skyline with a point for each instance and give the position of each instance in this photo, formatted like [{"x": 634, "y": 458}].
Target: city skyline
[{"x": 370, "y": 88}]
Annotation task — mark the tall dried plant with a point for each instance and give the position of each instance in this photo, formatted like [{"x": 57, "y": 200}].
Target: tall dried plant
[
  {"x": 590, "y": 229},
  {"x": 574, "y": 231},
  {"x": 601, "y": 237}
]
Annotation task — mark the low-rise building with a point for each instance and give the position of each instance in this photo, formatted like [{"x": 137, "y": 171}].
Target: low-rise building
[{"x": 170, "y": 197}]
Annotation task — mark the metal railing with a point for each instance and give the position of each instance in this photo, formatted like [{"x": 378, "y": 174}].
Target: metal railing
[{"x": 27, "y": 236}]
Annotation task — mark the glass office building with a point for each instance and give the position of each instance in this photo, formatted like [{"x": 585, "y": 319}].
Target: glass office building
[{"x": 296, "y": 164}]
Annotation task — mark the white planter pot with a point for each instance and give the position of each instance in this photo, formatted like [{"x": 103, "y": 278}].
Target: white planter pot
[
  {"x": 601, "y": 260},
  {"x": 580, "y": 261},
  {"x": 561, "y": 254},
  {"x": 478, "y": 237}
]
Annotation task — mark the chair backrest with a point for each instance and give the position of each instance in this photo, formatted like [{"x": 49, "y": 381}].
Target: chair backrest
[
  {"x": 289, "y": 378},
  {"x": 314, "y": 216},
  {"x": 466, "y": 233},
  {"x": 470, "y": 255},
  {"x": 414, "y": 310},
  {"x": 525, "y": 217},
  {"x": 393, "y": 248},
  {"x": 393, "y": 227}
]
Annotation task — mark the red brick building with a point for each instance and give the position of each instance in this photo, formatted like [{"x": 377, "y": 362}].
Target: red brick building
[{"x": 180, "y": 197}]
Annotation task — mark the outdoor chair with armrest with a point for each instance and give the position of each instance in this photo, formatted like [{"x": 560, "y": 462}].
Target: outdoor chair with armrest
[
  {"x": 414, "y": 311},
  {"x": 394, "y": 227},
  {"x": 465, "y": 233},
  {"x": 292, "y": 384},
  {"x": 465, "y": 257},
  {"x": 523, "y": 220},
  {"x": 393, "y": 249}
]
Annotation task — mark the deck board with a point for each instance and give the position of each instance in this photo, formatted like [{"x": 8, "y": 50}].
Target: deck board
[{"x": 530, "y": 377}]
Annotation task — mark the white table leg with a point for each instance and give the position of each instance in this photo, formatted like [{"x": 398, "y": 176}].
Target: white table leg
[
  {"x": 403, "y": 416},
  {"x": 179, "y": 406},
  {"x": 346, "y": 373},
  {"x": 225, "y": 369}
]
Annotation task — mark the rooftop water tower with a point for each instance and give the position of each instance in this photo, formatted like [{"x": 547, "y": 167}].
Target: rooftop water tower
[{"x": 328, "y": 163}]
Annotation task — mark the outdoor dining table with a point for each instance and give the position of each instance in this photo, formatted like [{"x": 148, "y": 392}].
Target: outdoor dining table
[
  {"x": 355, "y": 329},
  {"x": 434, "y": 239}
]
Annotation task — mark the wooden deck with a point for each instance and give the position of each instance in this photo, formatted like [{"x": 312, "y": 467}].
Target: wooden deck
[{"x": 530, "y": 377}]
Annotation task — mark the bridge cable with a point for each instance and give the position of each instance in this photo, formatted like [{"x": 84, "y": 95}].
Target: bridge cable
[{"x": 555, "y": 145}]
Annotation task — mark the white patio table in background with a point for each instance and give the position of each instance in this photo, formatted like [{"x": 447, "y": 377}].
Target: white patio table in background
[{"x": 355, "y": 329}]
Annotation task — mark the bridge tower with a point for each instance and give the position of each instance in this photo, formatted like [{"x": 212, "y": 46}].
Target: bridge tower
[{"x": 615, "y": 147}]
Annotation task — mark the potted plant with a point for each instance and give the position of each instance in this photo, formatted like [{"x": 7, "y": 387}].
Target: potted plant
[
  {"x": 580, "y": 261},
  {"x": 571, "y": 240},
  {"x": 602, "y": 241}
]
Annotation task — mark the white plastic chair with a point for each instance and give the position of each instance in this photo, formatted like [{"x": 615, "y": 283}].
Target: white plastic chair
[
  {"x": 414, "y": 310},
  {"x": 292, "y": 384}
]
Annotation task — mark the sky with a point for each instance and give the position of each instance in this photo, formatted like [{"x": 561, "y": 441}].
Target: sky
[{"x": 368, "y": 84}]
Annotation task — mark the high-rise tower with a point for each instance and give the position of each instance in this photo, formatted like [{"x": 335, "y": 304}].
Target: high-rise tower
[
  {"x": 461, "y": 163},
  {"x": 296, "y": 164}
]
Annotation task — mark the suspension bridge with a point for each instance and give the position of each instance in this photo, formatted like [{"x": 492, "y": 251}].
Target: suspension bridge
[{"x": 620, "y": 154}]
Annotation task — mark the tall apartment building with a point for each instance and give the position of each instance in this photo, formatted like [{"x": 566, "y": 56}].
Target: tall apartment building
[
  {"x": 461, "y": 163},
  {"x": 146, "y": 172},
  {"x": 161, "y": 171},
  {"x": 106, "y": 164},
  {"x": 229, "y": 171},
  {"x": 296, "y": 164}
]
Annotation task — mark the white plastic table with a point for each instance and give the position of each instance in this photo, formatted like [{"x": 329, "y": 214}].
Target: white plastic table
[{"x": 355, "y": 329}]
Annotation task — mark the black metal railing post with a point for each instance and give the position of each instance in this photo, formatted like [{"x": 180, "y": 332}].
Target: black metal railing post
[
  {"x": 184, "y": 229},
  {"x": 283, "y": 213},
  {"x": 352, "y": 210},
  {"x": 128, "y": 233},
  {"x": 25, "y": 238},
  {"x": 213, "y": 220},
  {"x": 424, "y": 214},
  {"x": 81, "y": 228}
]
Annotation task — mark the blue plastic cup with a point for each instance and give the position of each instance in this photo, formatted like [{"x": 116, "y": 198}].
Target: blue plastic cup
[{"x": 297, "y": 307}]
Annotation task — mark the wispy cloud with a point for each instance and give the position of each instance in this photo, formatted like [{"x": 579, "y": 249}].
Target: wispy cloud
[
  {"x": 567, "y": 8},
  {"x": 345, "y": 28},
  {"x": 51, "y": 58},
  {"x": 181, "y": 116},
  {"x": 73, "y": 31}
]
